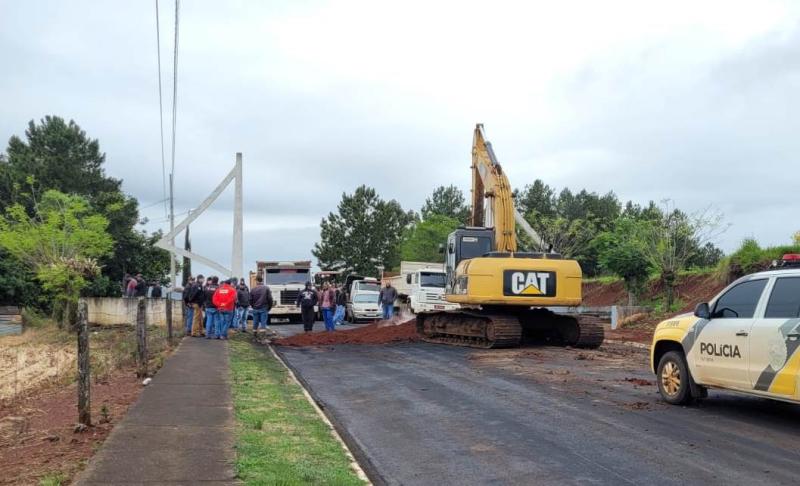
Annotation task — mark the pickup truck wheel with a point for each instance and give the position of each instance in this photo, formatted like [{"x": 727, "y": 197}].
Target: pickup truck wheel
[{"x": 673, "y": 378}]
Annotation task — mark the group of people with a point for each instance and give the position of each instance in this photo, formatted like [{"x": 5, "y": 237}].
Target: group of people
[
  {"x": 331, "y": 301},
  {"x": 137, "y": 286},
  {"x": 212, "y": 308}
]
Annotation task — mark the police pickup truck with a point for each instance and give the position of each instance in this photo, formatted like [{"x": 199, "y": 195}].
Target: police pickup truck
[{"x": 746, "y": 340}]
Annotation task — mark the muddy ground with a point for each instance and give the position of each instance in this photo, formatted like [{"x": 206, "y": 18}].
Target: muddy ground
[
  {"x": 431, "y": 414},
  {"x": 37, "y": 431}
]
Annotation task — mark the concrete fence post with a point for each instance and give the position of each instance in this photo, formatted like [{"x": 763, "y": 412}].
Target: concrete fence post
[
  {"x": 84, "y": 381},
  {"x": 168, "y": 305},
  {"x": 141, "y": 339}
]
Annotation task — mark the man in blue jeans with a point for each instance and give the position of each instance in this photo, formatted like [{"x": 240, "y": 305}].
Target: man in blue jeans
[
  {"x": 188, "y": 310},
  {"x": 261, "y": 302},
  {"x": 386, "y": 298},
  {"x": 242, "y": 304},
  {"x": 225, "y": 301},
  {"x": 212, "y": 316}
]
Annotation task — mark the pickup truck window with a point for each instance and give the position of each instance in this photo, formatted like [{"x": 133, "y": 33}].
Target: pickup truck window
[
  {"x": 740, "y": 301},
  {"x": 784, "y": 302}
]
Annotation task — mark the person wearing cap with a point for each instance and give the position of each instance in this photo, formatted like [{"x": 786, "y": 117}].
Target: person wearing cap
[
  {"x": 306, "y": 300},
  {"x": 225, "y": 301}
]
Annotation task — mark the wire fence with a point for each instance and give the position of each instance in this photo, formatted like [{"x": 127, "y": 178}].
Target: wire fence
[{"x": 46, "y": 355}]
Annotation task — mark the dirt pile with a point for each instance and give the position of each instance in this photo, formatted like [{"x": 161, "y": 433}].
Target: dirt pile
[{"x": 379, "y": 333}]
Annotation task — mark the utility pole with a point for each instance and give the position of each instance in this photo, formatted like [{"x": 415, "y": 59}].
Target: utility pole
[{"x": 172, "y": 271}]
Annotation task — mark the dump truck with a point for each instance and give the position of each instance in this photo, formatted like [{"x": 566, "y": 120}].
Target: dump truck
[
  {"x": 420, "y": 287},
  {"x": 285, "y": 280}
]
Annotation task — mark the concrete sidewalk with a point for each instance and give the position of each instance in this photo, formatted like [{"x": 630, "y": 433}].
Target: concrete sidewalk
[{"x": 181, "y": 428}]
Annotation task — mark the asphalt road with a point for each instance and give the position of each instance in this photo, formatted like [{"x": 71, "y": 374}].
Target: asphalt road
[{"x": 419, "y": 414}]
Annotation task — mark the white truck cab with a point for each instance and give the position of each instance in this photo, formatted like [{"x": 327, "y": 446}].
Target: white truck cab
[
  {"x": 420, "y": 285},
  {"x": 746, "y": 340},
  {"x": 285, "y": 280}
]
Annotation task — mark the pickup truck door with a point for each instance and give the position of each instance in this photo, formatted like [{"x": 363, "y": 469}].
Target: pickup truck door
[
  {"x": 774, "y": 340},
  {"x": 719, "y": 352}
]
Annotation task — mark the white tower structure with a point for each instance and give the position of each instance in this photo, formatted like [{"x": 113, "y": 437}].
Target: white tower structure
[{"x": 167, "y": 242}]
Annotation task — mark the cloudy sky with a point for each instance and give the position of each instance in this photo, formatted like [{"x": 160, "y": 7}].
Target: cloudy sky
[{"x": 693, "y": 101}]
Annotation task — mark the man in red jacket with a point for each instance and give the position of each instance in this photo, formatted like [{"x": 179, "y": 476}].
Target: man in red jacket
[{"x": 225, "y": 300}]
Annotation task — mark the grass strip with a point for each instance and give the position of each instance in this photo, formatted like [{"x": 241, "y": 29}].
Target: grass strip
[{"x": 280, "y": 439}]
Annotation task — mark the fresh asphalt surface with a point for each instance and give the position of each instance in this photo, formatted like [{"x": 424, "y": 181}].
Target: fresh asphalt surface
[{"x": 433, "y": 414}]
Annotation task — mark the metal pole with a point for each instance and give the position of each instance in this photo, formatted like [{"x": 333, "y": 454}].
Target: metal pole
[
  {"x": 172, "y": 270},
  {"x": 236, "y": 258}
]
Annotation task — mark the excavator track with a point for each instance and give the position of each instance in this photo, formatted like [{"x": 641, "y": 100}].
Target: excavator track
[
  {"x": 591, "y": 332},
  {"x": 490, "y": 331},
  {"x": 470, "y": 329}
]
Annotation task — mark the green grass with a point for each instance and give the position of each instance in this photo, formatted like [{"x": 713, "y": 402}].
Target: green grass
[
  {"x": 53, "y": 479},
  {"x": 280, "y": 439}
]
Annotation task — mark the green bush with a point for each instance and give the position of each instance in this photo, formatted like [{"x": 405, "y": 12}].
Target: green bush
[{"x": 751, "y": 258}]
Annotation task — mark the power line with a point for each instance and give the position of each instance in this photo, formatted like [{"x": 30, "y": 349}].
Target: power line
[
  {"x": 161, "y": 112},
  {"x": 172, "y": 263},
  {"x": 154, "y": 204},
  {"x": 175, "y": 83}
]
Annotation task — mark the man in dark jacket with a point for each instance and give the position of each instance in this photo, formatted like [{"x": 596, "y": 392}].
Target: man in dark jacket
[
  {"x": 212, "y": 316},
  {"x": 306, "y": 300},
  {"x": 261, "y": 302},
  {"x": 155, "y": 290},
  {"x": 197, "y": 299},
  {"x": 188, "y": 310},
  {"x": 386, "y": 298},
  {"x": 141, "y": 286},
  {"x": 242, "y": 304}
]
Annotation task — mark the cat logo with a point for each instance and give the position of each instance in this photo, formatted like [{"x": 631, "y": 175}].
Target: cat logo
[{"x": 527, "y": 283}]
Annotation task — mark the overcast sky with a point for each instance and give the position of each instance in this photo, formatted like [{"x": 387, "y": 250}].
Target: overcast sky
[{"x": 693, "y": 101}]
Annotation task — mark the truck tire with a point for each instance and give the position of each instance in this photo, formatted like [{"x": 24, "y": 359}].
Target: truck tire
[{"x": 673, "y": 378}]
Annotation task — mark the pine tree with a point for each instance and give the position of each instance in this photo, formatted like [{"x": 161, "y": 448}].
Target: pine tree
[{"x": 363, "y": 234}]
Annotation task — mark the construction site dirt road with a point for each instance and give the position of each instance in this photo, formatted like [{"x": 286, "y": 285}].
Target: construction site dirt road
[{"x": 418, "y": 414}]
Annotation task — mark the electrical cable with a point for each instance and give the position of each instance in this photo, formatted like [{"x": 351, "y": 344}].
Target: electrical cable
[{"x": 161, "y": 113}]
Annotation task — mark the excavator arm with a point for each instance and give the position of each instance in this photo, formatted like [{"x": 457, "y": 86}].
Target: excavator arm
[{"x": 492, "y": 197}]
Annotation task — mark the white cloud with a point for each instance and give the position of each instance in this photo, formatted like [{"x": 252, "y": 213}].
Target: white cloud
[{"x": 688, "y": 100}]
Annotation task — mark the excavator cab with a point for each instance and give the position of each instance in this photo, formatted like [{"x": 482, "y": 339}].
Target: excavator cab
[{"x": 462, "y": 244}]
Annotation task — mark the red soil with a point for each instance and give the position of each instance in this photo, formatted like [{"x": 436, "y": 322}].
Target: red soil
[
  {"x": 379, "y": 333},
  {"x": 49, "y": 444},
  {"x": 691, "y": 289}
]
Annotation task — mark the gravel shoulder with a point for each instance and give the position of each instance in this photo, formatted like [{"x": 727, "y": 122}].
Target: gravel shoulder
[{"x": 429, "y": 414}]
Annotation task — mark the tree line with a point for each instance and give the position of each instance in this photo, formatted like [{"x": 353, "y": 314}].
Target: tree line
[
  {"x": 66, "y": 226},
  {"x": 606, "y": 236}
]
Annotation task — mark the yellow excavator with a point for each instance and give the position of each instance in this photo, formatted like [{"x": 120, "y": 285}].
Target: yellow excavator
[{"x": 505, "y": 294}]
